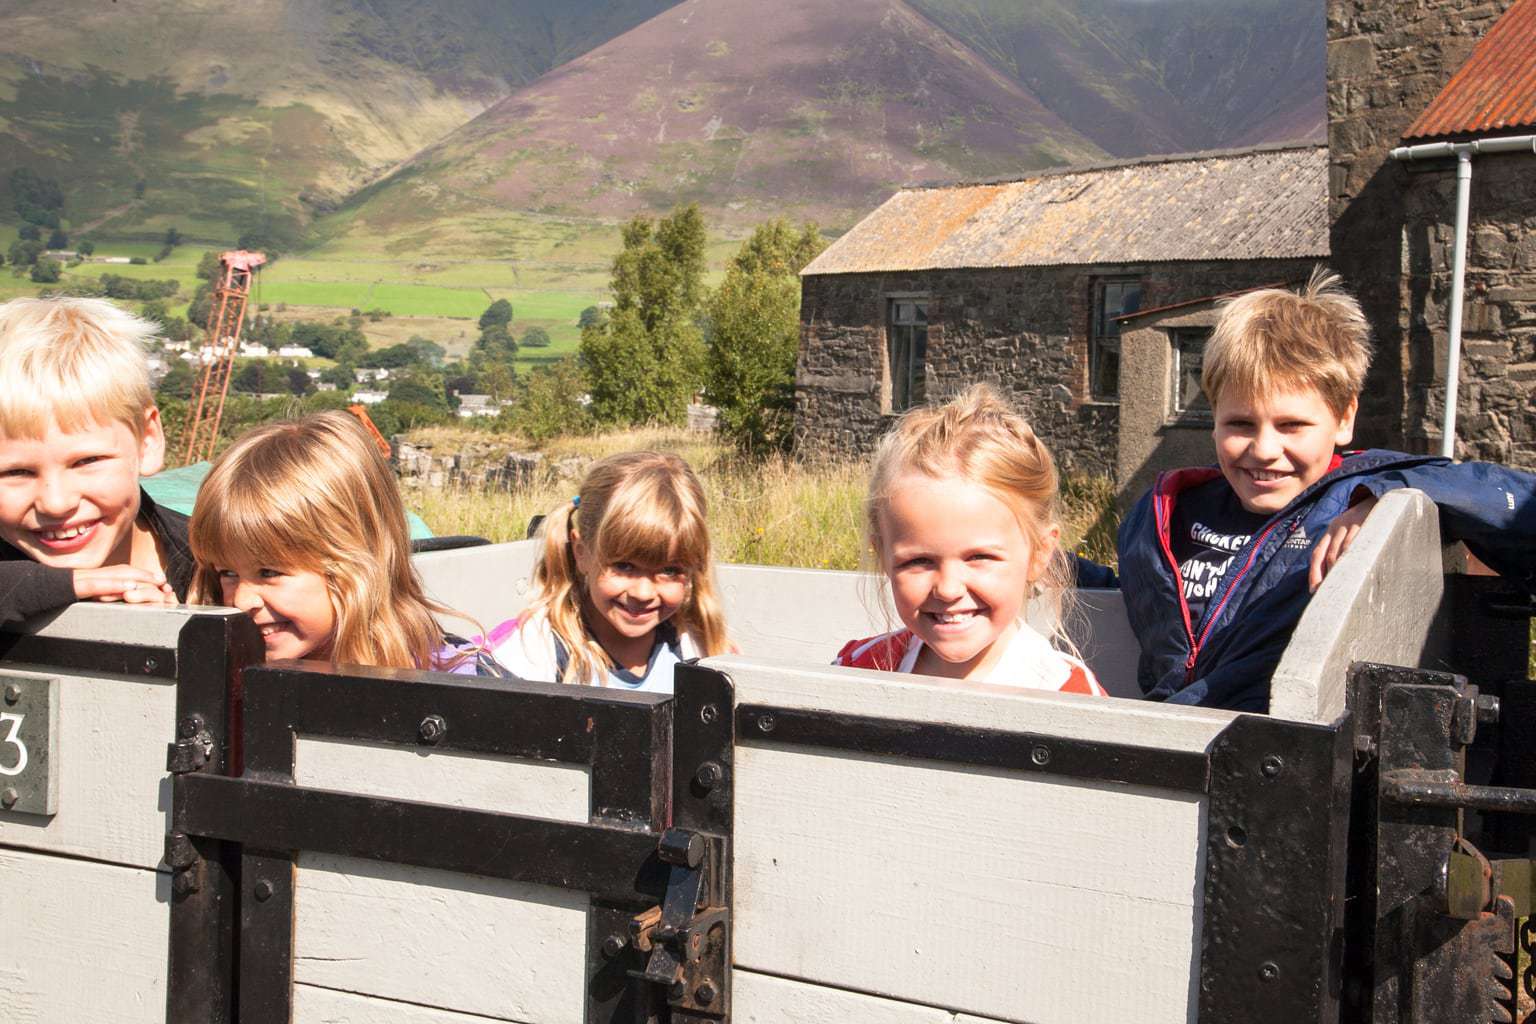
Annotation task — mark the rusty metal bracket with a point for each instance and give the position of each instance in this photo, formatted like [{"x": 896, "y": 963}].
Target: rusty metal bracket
[
  {"x": 193, "y": 747},
  {"x": 688, "y": 936}
]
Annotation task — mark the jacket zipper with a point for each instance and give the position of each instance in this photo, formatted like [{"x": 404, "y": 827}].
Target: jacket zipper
[
  {"x": 1214, "y": 613},
  {"x": 1160, "y": 507}
]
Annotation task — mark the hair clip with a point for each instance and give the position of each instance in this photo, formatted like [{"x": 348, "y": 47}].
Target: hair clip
[{"x": 576, "y": 502}]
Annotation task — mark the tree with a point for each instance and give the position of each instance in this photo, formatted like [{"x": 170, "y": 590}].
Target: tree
[
  {"x": 209, "y": 268},
  {"x": 645, "y": 362},
  {"x": 535, "y": 337},
  {"x": 178, "y": 381},
  {"x": 339, "y": 375},
  {"x": 415, "y": 392},
  {"x": 589, "y": 317},
  {"x": 30, "y": 233},
  {"x": 498, "y": 381},
  {"x": 25, "y": 252},
  {"x": 498, "y": 313},
  {"x": 754, "y": 333},
  {"x": 172, "y": 238},
  {"x": 252, "y": 379},
  {"x": 155, "y": 310},
  {"x": 58, "y": 240},
  {"x": 428, "y": 352},
  {"x": 551, "y": 401},
  {"x": 85, "y": 247},
  {"x": 298, "y": 381},
  {"x": 392, "y": 358},
  {"x": 46, "y": 271}
]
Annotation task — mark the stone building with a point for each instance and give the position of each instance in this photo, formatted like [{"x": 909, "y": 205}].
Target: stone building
[
  {"x": 1019, "y": 284},
  {"x": 1417, "y": 71}
]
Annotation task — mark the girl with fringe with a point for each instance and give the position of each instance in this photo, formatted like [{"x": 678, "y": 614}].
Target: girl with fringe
[
  {"x": 962, "y": 520},
  {"x": 300, "y": 525},
  {"x": 624, "y": 589}
]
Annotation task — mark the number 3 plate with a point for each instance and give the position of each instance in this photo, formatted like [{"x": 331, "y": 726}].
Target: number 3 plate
[{"x": 29, "y": 743}]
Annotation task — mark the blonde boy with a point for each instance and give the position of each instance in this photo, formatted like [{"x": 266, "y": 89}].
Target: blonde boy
[
  {"x": 78, "y": 428},
  {"x": 1218, "y": 563}
]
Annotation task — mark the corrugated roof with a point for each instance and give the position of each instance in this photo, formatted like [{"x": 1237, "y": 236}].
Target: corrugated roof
[
  {"x": 1255, "y": 204},
  {"x": 1495, "y": 89}
]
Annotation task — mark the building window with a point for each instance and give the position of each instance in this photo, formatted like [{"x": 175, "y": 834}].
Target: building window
[
  {"x": 1188, "y": 358},
  {"x": 907, "y": 351},
  {"x": 1112, "y": 297}
]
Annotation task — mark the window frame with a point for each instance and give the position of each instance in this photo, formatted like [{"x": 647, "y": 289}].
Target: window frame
[
  {"x": 1100, "y": 338},
  {"x": 899, "y": 398},
  {"x": 1177, "y": 411}
]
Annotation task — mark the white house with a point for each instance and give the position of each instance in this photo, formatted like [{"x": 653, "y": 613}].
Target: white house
[
  {"x": 295, "y": 352},
  {"x": 369, "y": 397},
  {"x": 471, "y": 406},
  {"x": 254, "y": 350},
  {"x": 370, "y": 376}
]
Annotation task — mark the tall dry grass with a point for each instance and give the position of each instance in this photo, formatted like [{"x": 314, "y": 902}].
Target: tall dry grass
[{"x": 774, "y": 511}]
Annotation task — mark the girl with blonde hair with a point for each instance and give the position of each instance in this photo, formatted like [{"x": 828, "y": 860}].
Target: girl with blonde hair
[
  {"x": 962, "y": 519},
  {"x": 300, "y": 525},
  {"x": 624, "y": 589}
]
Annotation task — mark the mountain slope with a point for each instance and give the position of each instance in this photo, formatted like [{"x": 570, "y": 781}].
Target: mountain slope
[
  {"x": 819, "y": 110},
  {"x": 223, "y": 117},
  {"x": 1157, "y": 76}
]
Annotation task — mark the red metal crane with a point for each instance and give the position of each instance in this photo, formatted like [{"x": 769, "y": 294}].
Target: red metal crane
[{"x": 225, "y": 319}]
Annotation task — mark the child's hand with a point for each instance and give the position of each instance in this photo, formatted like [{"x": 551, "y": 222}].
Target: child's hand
[
  {"x": 123, "y": 583},
  {"x": 1336, "y": 540}
]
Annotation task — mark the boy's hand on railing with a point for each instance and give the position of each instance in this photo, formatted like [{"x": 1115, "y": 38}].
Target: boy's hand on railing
[
  {"x": 1336, "y": 540},
  {"x": 124, "y": 583}
]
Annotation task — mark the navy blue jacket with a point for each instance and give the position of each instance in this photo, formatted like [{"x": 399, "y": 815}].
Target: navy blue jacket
[{"x": 1225, "y": 660}]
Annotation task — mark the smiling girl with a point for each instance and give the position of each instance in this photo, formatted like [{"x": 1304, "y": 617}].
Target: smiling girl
[
  {"x": 961, "y": 517},
  {"x": 624, "y": 589},
  {"x": 300, "y": 525}
]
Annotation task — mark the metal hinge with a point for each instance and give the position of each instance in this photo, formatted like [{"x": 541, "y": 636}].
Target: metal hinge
[
  {"x": 192, "y": 749},
  {"x": 688, "y": 936}
]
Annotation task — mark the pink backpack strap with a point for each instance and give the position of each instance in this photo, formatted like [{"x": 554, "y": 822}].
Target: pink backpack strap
[{"x": 500, "y": 633}]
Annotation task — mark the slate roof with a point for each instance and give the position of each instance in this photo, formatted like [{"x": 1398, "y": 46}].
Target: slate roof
[
  {"x": 1262, "y": 203},
  {"x": 1495, "y": 90}
]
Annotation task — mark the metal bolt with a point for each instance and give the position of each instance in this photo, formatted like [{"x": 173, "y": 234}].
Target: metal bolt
[
  {"x": 677, "y": 990},
  {"x": 704, "y": 994},
  {"x": 190, "y": 726},
  {"x": 1272, "y": 765},
  {"x": 1269, "y": 971},
  {"x": 664, "y": 932},
  {"x": 12, "y": 694},
  {"x": 708, "y": 713},
  {"x": 432, "y": 729},
  {"x": 1365, "y": 745},
  {"x": 1041, "y": 756},
  {"x": 263, "y": 891},
  {"x": 613, "y": 945},
  {"x": 150, "y": 664},
  {"x": 766, "y": 723},
  {"x": 1487, "y": 709},
  {"x": 10, "y": 796},
  {"x": 184, "y": 883},
  {"x": 708, "y": 775}
]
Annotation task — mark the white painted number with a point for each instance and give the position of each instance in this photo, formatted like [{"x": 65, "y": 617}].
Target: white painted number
[{"x": 14, "y": 740}]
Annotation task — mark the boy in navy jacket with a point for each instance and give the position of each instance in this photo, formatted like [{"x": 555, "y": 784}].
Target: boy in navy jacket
[{"x": 1218, "y": 563}]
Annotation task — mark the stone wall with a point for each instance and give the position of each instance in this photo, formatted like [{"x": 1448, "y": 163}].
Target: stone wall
[
  {"x": 1392, "y": 233},
  {"x": 1025, "y": 331}
]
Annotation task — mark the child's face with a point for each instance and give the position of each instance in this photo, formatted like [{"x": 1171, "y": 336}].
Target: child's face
[
  {"x": 69, "y": 499},
  {"x": 292, "y": 607},
  {"x": 960, "y": 565},
  {"x": 631, "y": 598},
  {"x": 1273, "y": 447}
]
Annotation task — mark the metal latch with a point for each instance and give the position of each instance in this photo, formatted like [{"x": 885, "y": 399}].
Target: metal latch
[
  {"x": 193, "y": 747},
  {"x": 687, "y": 937}
]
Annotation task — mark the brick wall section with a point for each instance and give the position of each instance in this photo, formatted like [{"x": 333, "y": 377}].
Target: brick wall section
[
  {"x": 1025, "y": 331},
  {"x": 1392, "y": 231}
]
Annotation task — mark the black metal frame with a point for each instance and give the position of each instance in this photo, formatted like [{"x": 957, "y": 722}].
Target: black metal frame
[{"x": 625, "y": 739}]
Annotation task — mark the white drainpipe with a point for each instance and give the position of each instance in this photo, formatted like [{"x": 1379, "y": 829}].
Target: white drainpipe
[{"x": 1463, "y": 152}]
